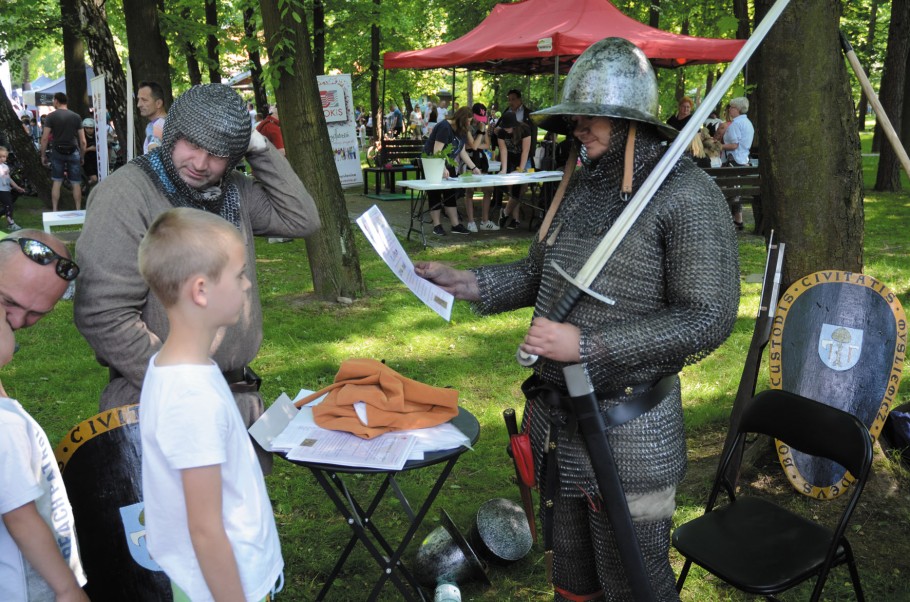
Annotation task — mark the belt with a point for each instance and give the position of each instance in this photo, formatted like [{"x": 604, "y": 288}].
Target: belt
[
  {"x": 635, "y": 400},
  {"x": 239, "y": 380}
]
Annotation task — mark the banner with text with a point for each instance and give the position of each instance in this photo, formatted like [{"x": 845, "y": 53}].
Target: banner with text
[
  {"x": 99, "y": 103},
  {"x": 335, "y": 91}
]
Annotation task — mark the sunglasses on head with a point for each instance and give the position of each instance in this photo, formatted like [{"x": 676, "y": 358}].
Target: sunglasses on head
[{"x": 42, "y": 254}]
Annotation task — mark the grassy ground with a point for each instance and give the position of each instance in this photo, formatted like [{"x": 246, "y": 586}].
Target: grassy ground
[{"x": 56, "y": 378}]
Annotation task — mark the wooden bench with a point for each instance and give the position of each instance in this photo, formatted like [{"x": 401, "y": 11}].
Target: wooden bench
[
  {"x": 742, "y": 182},
  {"x": 395, "y": 156}
]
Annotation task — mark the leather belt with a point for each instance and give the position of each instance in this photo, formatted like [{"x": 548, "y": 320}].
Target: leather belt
[
  {"x": 239, "y": 380},
  {"x": 635, "y": 400}
]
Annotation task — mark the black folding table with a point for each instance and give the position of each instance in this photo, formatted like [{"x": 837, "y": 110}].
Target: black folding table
[{"x": 360, "y": 519}]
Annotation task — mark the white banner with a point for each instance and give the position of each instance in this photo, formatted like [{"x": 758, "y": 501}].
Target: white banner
[
  {"x": 335, "y": 91},
  {"x": 99, "y": 103}
]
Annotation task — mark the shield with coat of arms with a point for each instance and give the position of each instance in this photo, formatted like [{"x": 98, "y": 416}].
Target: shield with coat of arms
[
  {"x": 101, "y": 460},
  {"x": 838, "y": 338}
]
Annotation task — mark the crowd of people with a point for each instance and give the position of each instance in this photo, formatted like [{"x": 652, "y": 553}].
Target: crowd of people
[{"x": 168, "y": 301}]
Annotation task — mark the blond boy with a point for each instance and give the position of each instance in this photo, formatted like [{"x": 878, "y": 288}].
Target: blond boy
[{"x": 208, "y": 517}]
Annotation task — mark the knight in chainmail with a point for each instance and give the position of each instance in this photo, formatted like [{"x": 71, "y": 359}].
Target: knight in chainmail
[
  {"x": 674, "y": 280},
  {"x": 206, "y": 135}
]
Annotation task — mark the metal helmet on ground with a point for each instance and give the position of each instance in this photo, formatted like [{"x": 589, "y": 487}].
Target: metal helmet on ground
[
  {"x": 445, "y": 555},
  {"x": 501, "y": 533},
  {"x": 612, "y": 78}
]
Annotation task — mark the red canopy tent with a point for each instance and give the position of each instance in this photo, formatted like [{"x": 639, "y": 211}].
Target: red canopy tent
[{"x": 531, "y": 36}]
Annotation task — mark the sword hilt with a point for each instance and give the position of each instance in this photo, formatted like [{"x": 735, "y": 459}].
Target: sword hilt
[{"x": 558, "y": 313}]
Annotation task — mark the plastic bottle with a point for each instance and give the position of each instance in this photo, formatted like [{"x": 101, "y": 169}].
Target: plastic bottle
[{"x": 447, "y": 592}]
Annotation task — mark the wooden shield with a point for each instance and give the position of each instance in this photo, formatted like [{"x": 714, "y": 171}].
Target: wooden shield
[
  {"x": 838, "y": 338},
  {"x": 101, "y": 461}
]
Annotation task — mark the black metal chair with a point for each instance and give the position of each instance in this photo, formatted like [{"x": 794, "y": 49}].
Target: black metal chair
[{"x": 764, "y": 549}]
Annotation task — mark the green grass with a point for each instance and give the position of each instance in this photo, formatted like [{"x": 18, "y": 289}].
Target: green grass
[{"x": 55, "y": 376}]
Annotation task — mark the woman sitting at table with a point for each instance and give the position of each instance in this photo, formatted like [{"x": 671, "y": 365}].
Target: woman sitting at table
[
  {"x": 514, "y": 140},
  {"x": 453, "y": 132}
]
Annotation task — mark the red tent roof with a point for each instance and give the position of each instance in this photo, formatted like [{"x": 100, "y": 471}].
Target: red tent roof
[{"x": 529, "y": 36}]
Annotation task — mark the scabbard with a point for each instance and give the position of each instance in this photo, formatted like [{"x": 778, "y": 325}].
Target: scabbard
[
  {"x": 527, "y": 502},
  {"x": 594, "y": 433}
]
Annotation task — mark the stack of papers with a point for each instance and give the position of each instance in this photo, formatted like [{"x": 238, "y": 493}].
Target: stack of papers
[{"x": 285, "y": 429}]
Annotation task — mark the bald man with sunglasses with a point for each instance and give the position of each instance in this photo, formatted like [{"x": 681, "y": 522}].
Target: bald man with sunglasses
[{"x": 35, "y": 271}]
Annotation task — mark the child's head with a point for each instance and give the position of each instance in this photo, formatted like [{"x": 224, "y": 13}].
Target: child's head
[
  {"x": 184, "y": 245},
  {"x": 7, "y": 340},
  {"x": 3, "y": 154}
]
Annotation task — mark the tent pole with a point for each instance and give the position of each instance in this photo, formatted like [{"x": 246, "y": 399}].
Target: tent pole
[
  {"x": 381, "y": 116},
  {"x": 556, "y": 81},
  {"x": 453, "y": 86}
]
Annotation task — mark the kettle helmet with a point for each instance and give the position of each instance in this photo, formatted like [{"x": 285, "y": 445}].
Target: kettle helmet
[{"x": 612, "y": 78}]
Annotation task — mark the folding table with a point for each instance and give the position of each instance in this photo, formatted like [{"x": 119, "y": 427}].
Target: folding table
[
  {"x": 484, "y": 181},
  {"x": 360, "y": 518}
]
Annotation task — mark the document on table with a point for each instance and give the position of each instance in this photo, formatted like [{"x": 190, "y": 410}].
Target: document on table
[
  {"x": 387, "y": 452},
  {"x": 379, "y": 233}
]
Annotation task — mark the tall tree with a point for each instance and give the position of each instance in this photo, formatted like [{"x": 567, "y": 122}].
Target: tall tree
[
  {"x": 211, "y": 41},
  {"x": 252, "y": 43},
  {"x": 101, "y": 49},
  {"x": 188, "y": 47},
  {"x": 24, "y": 148},
  {"x": 332, "y": 252},
  {"x": 813, "y": 198},
  {"x": 892, "y": 93},
  {"x": 868, "y": 47},
  {"x": 149, "y": 54},
  {"x": 319, "y": 37},
  {"x": 74, "y": 58},
  {"x": 375, "y": 37}
]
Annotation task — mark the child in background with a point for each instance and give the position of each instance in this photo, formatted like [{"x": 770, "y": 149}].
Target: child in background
[
  {"x": 209, "y": 521},
  {"x": 6, "y": 196},
  {"x": 39, "y": 558}
]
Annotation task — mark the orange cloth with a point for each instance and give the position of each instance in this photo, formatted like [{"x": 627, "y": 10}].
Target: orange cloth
[{"x": 393, "y": 402}]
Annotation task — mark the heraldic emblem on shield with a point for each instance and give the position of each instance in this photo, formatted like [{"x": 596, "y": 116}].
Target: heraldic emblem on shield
[
  {"x": 839, "y": 338},
  {"x": 133, "y": 517},
  {"x": 839, "y": 346}
]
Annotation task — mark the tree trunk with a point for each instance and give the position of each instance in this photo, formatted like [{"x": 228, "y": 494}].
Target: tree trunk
[
  {"x": 74, "y": 58},
  {"x": 259, "y": 94},
  {"x": 331, "y": 251},
  {"x": 149, "y": 54},
  {"x": 26, "y": 74},
  {"x": 654, "y": 14},
  {"x": 318, "y": 37},
  {"x": 904, "y": 130},
  {"x": 104, "y": 56},
  {"x": 811, "y": 197},
  {"x": 25, "y": 151},
  {"x": 867, "y": 52},
  {"x": 681, "y": 73},
  {"x": 891, "y": 93},
  {"x": 741, "y": 12},
  {"x": 211, "y": 41},
  {"x": 189, "y": 51},
  {"x": 374, "y": 70}
]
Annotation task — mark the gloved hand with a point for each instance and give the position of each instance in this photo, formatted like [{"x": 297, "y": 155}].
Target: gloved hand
[{"x": 258, "y": 143}]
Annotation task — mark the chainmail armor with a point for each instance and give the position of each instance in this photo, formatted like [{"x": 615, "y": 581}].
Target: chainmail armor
[
  {"x": 214, "y": 118},
  {"x": 675, "y": 282}
]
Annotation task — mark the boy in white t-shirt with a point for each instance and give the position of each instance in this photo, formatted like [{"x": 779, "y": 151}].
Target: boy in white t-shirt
[
  {"x": 39, "y": 558},
  {"x": 209, "y": 521}
]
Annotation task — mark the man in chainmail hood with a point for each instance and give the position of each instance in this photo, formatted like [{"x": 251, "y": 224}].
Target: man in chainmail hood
[
  {"x": 675, "y": 281},
  {"x": 206, "y": 135}
]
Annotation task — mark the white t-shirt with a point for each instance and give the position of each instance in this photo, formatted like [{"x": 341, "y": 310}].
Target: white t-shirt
[
  {"x": 188, "y": 418},
  {"x": 29, "y": 473},
  {"x": 154, "y": 134}
]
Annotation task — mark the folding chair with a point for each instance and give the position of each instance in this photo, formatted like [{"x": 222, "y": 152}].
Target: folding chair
[{"x": 764, "y": 549}]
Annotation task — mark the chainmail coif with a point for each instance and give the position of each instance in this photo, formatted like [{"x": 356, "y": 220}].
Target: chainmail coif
[{"x": 214, "y": 118}]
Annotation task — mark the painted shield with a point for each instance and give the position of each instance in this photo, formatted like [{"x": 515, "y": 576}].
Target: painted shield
[
  {"x": 101, "y": 461},
  {"x": 838, "y": 338}
]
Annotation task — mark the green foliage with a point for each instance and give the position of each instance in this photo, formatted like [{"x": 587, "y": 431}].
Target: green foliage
[{"x": 445, "y": 153}]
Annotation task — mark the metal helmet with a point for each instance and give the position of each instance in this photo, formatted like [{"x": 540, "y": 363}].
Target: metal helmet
[
  {"x": 501, "y": 533},
  {"x": 612, "y": 78},
  {"x": 445, "y": 555}
]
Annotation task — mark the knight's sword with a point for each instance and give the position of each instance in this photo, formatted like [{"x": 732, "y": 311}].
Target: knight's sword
[{"x": 582, "y": 281}]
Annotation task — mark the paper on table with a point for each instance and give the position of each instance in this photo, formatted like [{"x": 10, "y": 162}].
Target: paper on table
[
  {"x": 380, "y": 235},
  {"x": 389, "y": 451},
  {"x": 273, "y": 422}
]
